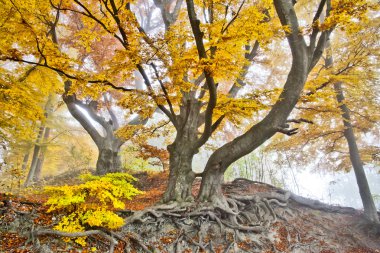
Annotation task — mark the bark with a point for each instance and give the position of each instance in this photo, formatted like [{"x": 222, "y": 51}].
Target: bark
[
  {"x": 109, "y": 160},
  {"x": 181, "y": 176},
  {"x": 36, "y": 151},
  {"x": 181, "y": 153},
  {"x": 37, "y": 146},
  {"x": 303, "y": 59},
  {"x": 361, "y": 179},
  {"x": 357, "y": 164},
  {"x": 25, "y": 161},
  {"x": 41, "y": 157}
]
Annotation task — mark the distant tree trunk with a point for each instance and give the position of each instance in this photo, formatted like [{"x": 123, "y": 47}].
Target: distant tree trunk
[
  {"x": 37, "y": 146},
  {"x": 36, "y": 151},
  {"x": 41, "y": 158},
  {"x": 109, "y": 145},
  {"x": 25, "y": 161},
  {"x": 357, "y": 164},
  {"x": 109, "y": 160}
]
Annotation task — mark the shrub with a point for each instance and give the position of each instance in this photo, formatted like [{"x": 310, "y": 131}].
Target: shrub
[{"x": 92, "y": 203}]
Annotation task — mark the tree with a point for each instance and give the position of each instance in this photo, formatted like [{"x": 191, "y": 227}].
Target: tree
[
  {"x": 192, "y": 70},
  {"x": 37, "y": 157},
  {"x": 341, "y": 88},
  {"x": 108, "y": 145},
  {"x": 365, "y": 193},
  {"x": 22, "y": 100}
]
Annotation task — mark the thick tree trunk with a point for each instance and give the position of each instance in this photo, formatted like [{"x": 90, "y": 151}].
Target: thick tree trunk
[
  {"x": 181, "y": 152},
  {"x": 211, "y": 187},
  {"x": 181, "y": 176},
  {"x": 108, "y": 161},
  {"x": 361, "y": 179}
]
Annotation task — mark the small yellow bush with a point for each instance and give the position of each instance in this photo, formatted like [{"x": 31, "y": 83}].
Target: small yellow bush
[{"x": 92, "y": 203}]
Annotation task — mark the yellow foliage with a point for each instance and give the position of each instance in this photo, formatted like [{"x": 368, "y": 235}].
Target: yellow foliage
[{"x": 91, "y": 204}]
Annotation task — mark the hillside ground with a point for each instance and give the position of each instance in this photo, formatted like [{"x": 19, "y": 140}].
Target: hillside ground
[{"x": 296, "y": 228}]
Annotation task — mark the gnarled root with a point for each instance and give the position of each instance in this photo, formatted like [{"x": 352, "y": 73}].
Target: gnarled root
[
  {"x": 245, "y": 213},
  {"x": 112, "y": 240},
  {"x": 193, "y": 221}
]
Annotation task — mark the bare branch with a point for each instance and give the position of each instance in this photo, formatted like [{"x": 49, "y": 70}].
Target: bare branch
[
  {"x": 154, "y": 96},
  {"x": 234, "y": 18},
  {"x": 299, "y": 121},
  {"x": 198, "y": 34},
  {"x": 286, "y": 131},
  {"x": 165, "y": 91}
]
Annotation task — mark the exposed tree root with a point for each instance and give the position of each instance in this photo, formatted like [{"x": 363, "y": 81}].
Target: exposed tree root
[
  {"x": 239, "y": 213},
  {"x": 112, "y": 240}
]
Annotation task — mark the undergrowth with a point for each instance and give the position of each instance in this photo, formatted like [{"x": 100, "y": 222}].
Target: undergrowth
[{"x": 91, "y": 204}]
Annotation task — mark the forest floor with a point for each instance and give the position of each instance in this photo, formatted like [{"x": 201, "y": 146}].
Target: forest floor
[{"x": 299, "y": 228}]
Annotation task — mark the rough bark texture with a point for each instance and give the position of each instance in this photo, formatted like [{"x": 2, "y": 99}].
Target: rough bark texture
[
  {"x": 108, "y": 161},
  {"x": 181, "y": 175},
  {"x": 181, "y": 153}
]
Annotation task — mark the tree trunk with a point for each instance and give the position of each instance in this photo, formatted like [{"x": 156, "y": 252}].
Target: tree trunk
[
  {"x": 25, "y": 161},
  {"x": 36, "y": 151},
  {"x": 109, "y": 145},
  {"x": 361, "y": 179},
  {"x": 41, "y": 158},
  {"x": 181, "y": 153},
  {"x": 211, "y": 187},
  {"x": 181, "y": 175},
  {"x": 108, "y": 161}
]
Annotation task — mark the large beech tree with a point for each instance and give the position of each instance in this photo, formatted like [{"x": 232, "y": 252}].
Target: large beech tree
[{"x": 193, "y": 67}]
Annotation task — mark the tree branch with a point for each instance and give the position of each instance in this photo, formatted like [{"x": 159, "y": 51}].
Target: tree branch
[
  {"x": 78, "y": 115},
  {"x": 234, "y": 18},
  {"x": 61, "y": 72},
  {"x": 275, "y": 120},
  {"x": 299, "y": 121},
  {"x": 316, "y": 52},
  {"x": 115, "y": 122},
  {"x": 165, "y": 92},
  {"x": 315, "y": 31},
  {"x": 239, "y": 82},
  {"x": 198, "y": 35},
  {"x": 154, "y": 96}
]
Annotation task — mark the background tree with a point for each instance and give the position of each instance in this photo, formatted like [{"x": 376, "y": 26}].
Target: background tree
[{"x": 336, "y": 95}]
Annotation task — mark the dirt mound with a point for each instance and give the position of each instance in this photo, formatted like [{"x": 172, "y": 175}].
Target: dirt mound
[{"x": 292, "y": 224}]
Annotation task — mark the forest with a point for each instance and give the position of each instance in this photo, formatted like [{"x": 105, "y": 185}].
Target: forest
[{"x": 189, "y": 126}]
